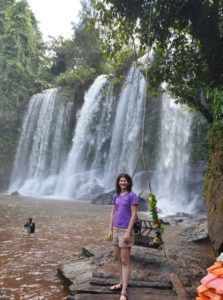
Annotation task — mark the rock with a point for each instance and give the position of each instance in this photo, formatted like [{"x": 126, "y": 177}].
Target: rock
[
  {"x": 143, "y": 201},
  {"x": 15, "y": 193},
  {"x": 196, "y": 232},
  {"x": 70, "y": 297},
  {"x": 99, "y": 255},
  {"x": 182, "y": 219},
  {"x": 76, "y": 272},
  {"x": 180, "y": 257},
  {"x": 213, "y": 191},
  {"x": 105, "y": 279},
  {"x": 96, "y": 251},
  {"x": 164, "y": 222},
  {"x": 104, "y": 199}
]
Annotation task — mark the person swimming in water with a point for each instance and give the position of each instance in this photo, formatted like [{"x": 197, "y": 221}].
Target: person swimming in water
[{"x": 30, "y": 225}]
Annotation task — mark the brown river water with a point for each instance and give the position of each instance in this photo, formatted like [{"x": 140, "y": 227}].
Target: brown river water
[{"x": 28, "y": 262}]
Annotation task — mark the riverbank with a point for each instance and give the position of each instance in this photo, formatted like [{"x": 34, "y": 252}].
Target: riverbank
[{"x": 29, "y": 262}]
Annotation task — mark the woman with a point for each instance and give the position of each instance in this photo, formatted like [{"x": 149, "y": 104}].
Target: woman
[{"x": 122, "y": 219}]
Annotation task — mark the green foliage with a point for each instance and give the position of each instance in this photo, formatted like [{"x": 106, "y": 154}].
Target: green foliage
[
  {"x": 214, "y": 173},
  {"x": 76, "y": 78},
  {"x": 8, "y": 143},
  {"x": 119, "y": 64},
  {"x": 87, "y": 45},
  {"x": 20, "y": 46},
  {"x": 216, "y": 96},
  {"x": 199, "y": 139},
  {"x": 75, "y": 62},
  {"x": 154, "y": 74},
  {"x": 118, "y": 40},
  {"x": 20, "y": 58}
]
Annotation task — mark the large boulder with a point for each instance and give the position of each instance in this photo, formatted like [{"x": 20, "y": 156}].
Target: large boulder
[
  {"x": 197, "y": 232},
  {"x": 15, "y": 193},
  {"x": 143, "y": 201},
  {"x": 106, "y": 199},
  {"x": 76, "y": 272}
]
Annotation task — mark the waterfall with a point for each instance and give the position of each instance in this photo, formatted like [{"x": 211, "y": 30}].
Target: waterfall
[
  {"x": 126, "y": 134},
  {"x": 85, "y": 163},
  {"x": 172, "y": 167},
  {"x": 106, "y": 141},
  {"x": 41, "y": 151}
]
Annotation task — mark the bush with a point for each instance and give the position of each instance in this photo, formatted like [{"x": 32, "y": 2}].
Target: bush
[{"x": 76, "y": 78}]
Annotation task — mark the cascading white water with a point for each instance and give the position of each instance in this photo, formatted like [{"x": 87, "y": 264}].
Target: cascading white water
[
  {"x": 172, "y": 170},
  {"x": 126, "y": 134},
  {"x": 105, "y": 139},
  {"x": 106, "y": 142},
  {"x": 81, "y": 175},
  {"x": 40, "y": 151}
]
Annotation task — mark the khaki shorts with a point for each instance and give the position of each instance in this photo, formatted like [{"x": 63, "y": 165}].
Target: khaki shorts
[{"x": 118, "y": 238}]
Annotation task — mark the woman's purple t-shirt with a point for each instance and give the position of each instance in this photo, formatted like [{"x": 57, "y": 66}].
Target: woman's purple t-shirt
[{"x": 123, "y": 205}]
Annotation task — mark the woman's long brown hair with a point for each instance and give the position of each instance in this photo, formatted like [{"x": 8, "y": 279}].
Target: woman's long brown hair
[{"x": 128, "y": 178}]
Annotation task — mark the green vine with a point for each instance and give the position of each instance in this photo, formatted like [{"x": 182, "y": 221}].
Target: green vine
[{"x": 155, "y": 217}]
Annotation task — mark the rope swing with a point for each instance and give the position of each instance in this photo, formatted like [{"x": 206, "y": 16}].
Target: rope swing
[{"x": 148, "y": 233}]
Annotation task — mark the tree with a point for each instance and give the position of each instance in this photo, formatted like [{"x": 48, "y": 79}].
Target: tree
[
  {"x": 83, "y": 51},
  {"x": 20, "y": 46},
  {"x": 87, "y": 41},
  {"x": 20, "y": 59},
  {"x": 186, "y": 34},
  {"x": 187, "y": 38}
]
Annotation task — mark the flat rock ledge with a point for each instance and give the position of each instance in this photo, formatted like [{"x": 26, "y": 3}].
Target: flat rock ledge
[
  {"x": 197, "y": 232},
  {"x": 88, "y": 277}
]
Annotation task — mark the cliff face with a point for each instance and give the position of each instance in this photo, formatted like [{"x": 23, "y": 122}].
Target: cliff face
[{"x": 213, "y": 189}]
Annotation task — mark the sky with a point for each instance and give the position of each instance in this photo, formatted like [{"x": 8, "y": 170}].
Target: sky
[{"x": 55, "y": 16}]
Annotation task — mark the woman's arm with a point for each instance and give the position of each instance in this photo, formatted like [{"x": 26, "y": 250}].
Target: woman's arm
[
  {"x": 134, "y": 209},
  {"x": 110, "y": 234}
]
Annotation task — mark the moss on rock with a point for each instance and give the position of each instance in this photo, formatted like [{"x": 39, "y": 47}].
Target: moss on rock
[{"x": 213, "y": 188}]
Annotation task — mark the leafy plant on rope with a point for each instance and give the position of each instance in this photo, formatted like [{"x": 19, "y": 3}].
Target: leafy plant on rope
[{"x": 155, "y": 217}]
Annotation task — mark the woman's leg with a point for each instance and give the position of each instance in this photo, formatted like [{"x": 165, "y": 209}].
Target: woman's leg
[
  {"x": 125, "y": 268},
  {"x": 117, "y": 256}
]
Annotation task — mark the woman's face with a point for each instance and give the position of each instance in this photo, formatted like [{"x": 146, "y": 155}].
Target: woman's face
[{"x": 123, "y": 183}]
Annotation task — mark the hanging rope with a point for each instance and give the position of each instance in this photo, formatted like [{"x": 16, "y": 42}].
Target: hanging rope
[
  {"x": 141, "y": 151},
  {"x": 152, "y": 198}
]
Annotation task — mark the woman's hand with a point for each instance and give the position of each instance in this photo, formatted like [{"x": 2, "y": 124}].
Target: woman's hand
[
  {"x": 110, "y": 235},
  {"x": 127, "y": 237}
]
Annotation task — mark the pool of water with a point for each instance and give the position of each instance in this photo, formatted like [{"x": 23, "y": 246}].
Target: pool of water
[{"x": 29, "y": 261}]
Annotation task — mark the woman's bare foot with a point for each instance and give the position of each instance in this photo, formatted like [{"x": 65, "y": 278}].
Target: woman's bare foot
[
  {"x": 123, "y": 297},
  {"x": 116, "y": 287}
]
